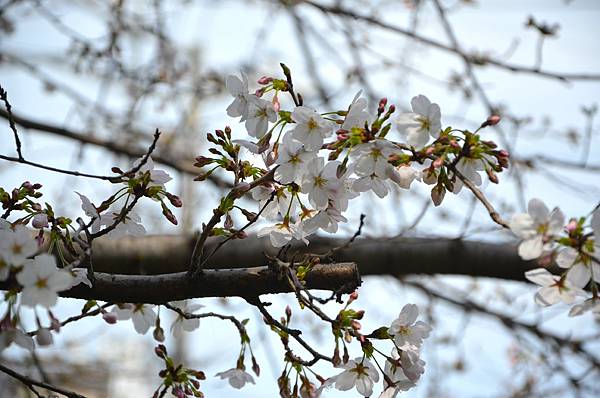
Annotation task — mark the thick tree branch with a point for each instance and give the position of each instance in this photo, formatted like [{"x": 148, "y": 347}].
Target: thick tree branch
[
  {"x": 241, "y": 282},
  {"x": 169, "y": 253}
]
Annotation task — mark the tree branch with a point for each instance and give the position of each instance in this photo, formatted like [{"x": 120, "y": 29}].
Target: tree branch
[{"x": 241, "y": 282}]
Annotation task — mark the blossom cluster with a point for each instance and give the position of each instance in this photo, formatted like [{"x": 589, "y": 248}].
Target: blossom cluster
[
  {"x": 324, "y": 160},
  {"x": 403, "y": 367},
  {"x": 574, "y": 247}
]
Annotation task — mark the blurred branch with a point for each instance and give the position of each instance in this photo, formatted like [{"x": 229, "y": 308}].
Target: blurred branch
[
  {"x": 161, "y": 254},
  {"x": 30, "y": 383},
  {"x": 179, "y": 165},
  {"x": 474, "y": 59}
]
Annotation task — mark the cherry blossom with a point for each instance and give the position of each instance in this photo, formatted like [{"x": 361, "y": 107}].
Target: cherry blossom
[
  {"x": 17, "y": 245},
  {"x": 239, "y": 90},
  {"x": 282, "y": 201},
  {"x": 142, "y": 315},
  {"x": 373, "y": 158},
  {"x": 327, "y": 220},
  {"x": 371, "y": 183},
  {"x": 403, "y": 176},
  {"x": 260, "y": 113},
  {"x": 321, "y": 183},
  {"x": 282, "y": 233},
  {"x": 181, "y": 323},
  {"x": 536, "y": 228},
  {"x": 422, "y": 123},
  {"x": 9, "y": 334},
  {"x": 237, "y": 378},
  {"x": 359, "y": 373},
  {"x": 581, "y": 266},
  {"x": 310, "y": 127},
  {"x": 42, "y": 280},
  {"x": 553, "y": 287},
  {"x": 393, "y": 369},
  {"x": 157, "y": 177},
  {"x": 357, "y": 113},
  {"x": 408, "y": 333},
  {"x": 130, "y": 225},
  {"x": 292, "y": 160}
]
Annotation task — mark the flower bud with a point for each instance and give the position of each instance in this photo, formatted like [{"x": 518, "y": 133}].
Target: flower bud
[
  {"x": 44, "y": 337},
  {"x": 353, "y": 296},
  {"x": 276, "y": 103},
  {"x": 158, "y": 334},
  {"x": 492, "y": 120},
  {"x": 264, "y": 80},
  {"x": 110, "y": 318},
  {"x": 37, "y": 186},
  {"x": 40, "y": 220},
  {"x": 492, "y": 176},
  {"x": 175, "y": 200},
  {"x": 437, "y": 194},
  {"x": 571, "y": 226},
  {"x": 355, "y": 324}
]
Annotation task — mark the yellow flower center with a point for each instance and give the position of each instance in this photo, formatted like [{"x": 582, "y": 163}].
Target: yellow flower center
[
  {"x": 41, "y": 283},
  {"x": 312, "y": 124}
]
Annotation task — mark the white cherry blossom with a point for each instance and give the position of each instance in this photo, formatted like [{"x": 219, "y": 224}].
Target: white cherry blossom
[
  {"x": 592, "y": 304},
  {"x": 321, "y": 183},
  {"x": 42, "y": 280},
  {"x": 371, "y": 183},
  {"x": 260, "y": 113},
  {"x": 311, "y": 129},
  {"x": 407, "y": 331},
  {"x": 280, "y": 204},
  {"x": 16, "y": 245},
  {"x": 581, "y": 267},
  {"x": 553, "y": 287},
  {"x": 237, "y": 378},
  {"x": 372, "y": 158},
  {"x": 130, "y": 225},
  {"x": 239, "y": 90},
  {"x": 357, "y": 113},
  {"x": 157, "y": 177},
  {"x": 142, "y": 315},
  {"x": 422, "y": 123},
  {"x": 393, "y": 369},
  {"x": 327, "y": 220},
  {"x": 282, "y": 233},
  {"x": 292, "y": 160},
  {"x": 359, "y": 373},
  {"x": 403, "y": 176},
  {"x": 181, "y": 324},
  {"x": 536, "y": 228},
  {"x": 10, "y": 334}
]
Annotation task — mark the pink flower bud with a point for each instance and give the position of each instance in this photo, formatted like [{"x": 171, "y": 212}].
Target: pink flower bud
[
  {"x": 276, "y": 104},
  {"x": 439, "y": 162},
  {"x": 259, "y": 93},
  {"x": 110, "y": 318},
  {"x": 571, "y": 226},
  {"x": 355, "y": 325},
  {"x": 264, "y": 80},
  {"x": 40, "y": 220},
  {"x": 429, "y": 150},
  {"x": 493, "y": 120},
  {"x": 353, "y": 296}
]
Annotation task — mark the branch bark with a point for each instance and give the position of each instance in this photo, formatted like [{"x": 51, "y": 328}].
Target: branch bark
[
  {"x": 241, "y": 282},
  {"x": 162, "y": 254}
]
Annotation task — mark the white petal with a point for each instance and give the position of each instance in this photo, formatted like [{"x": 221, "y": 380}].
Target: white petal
[{"x": 531, "y": 248}]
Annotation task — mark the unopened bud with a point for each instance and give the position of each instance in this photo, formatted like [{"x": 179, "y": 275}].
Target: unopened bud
[
  {"x": 259, "y": 93},
  {"x": 439, "y": 162},
  {"x": 44, "y": 337},
  {"x": 175, "y": 200},
  {"x": 492, "y": 176},
  {"x": 571, "y": 226},
  {"x": 429, "y": 150},
  {"x": 491, "y": 121},
  {"x": 353, "y": 296},
  {"x": 40, "y": 220},
  {"x": 355, "y": 325},
  {"x": 110, "y": 318},
  {"x": 264, "y": 80},
  {"x": 288, "y": 311},
  {"x": 158, "y": 334},
  {"x": 276, "y": 104},
  {"x": 437, "y": 194}
]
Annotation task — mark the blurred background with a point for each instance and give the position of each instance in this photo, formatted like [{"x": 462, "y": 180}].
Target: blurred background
[{"x": 90, "y": 81}]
